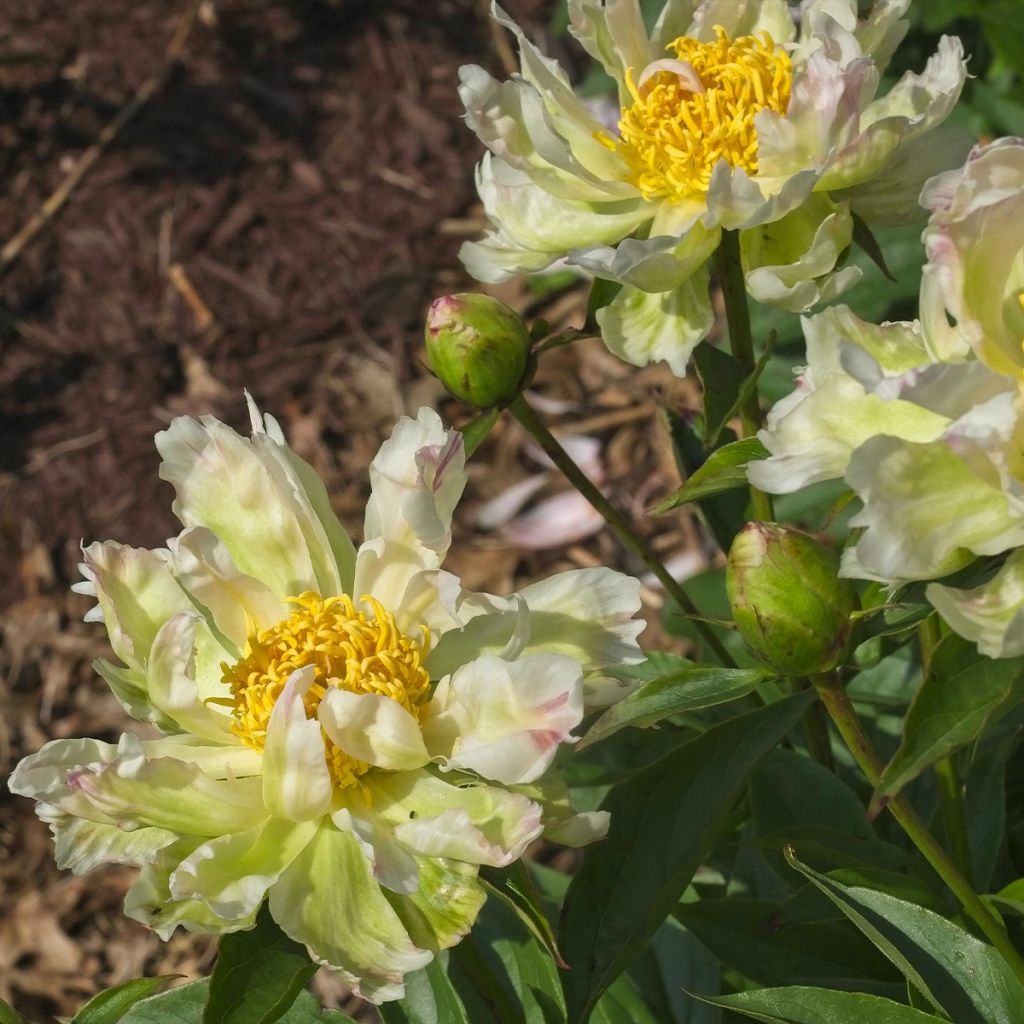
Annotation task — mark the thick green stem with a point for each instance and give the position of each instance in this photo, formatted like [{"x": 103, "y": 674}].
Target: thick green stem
[
  {"x": 837, "y": 702},
  {"x": 523, "y": 411},
  {"x": 947, "y": 775},
  {"x": 737, "y": 313}
]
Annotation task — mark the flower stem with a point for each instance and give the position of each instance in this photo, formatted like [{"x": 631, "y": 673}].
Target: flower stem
[
  {"x": 837, "y": 702},
  {"x": 525, "y": 414},
  {"x": 815, "y": 728},
  {"x": 947, "y": 775},
  {"x": 737, "y": 314}
]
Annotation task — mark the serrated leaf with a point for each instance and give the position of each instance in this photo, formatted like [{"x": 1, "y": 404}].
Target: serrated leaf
[
  {"x": 110, "y": 1006},
  {"x": 475, "y": 432},
  {"x": 962, "y": 694},
  {"x": 700, "y": 686},
  {"x": 799, "y": 1004},
  {"x": 258, "y": 975},
  {"x": 663, "y": 821},
  {"x": 430, "y": 998},
  {"x": 958, "y": 974},
  {"x": 724, "y": 470}
]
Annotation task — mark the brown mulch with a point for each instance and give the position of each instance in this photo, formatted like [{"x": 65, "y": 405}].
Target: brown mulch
[{"x": 277, "y": 218}]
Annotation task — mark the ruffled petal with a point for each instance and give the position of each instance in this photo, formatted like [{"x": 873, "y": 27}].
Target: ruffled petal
[
  {"x": 329, "y": 901},
  {"x": 504, "y": 719},
  {"x": 991, "y": 615},
  {"x": 645, "y": 327},
  {"x": 613, "y": 33},
  {"x": 231, "y": 874}
]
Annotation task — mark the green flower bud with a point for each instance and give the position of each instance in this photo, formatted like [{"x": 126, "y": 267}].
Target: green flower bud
[
  {"x": 788, "y": 602},
  {"x": 478, "y": 347}
]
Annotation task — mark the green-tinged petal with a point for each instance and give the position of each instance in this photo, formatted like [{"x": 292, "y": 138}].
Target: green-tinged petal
[
  {"x": 970, "y": 292},
  {"x": 43, "y": 776},
  {"x": 222, "y": 483},
  {"x": 329, "y": 900},
  {"x": 736, "y": 200},
  {"x": 813, "y": 432},
  {"x": 137, "y": 594},
  {"x": 231, "y": 874},
  {"x": 443, "y": 908},
  {"x": 416, "y": 480},
  {"x": 478, "y": 824},
  {"x": 644, "y": 327},
  {"x": 231, "y": 760},
  {"x": 991, "y": 615},
  {"x": 790, "y": 262},
  {"x": 330, "y": 547},
  {"x": 296, "y": 781},
  {"x": 613, "y": 33},
  {"x": 373, "y": 728},
  {"x": 81, "y": 845},
  {"x": 915, "y": 105},
  {"x": 587, "y": 614},
  {"x": 675, "y": 251},
  {"x": 171, "y": 675},
  {"x": 562, "y": 822},
  {"x": 497, "y": 257},
  {"x": 129, "y": 687},
  {"x": 149, "y": 900},
  {"x": 926, "y": 513},
  {"x": 890, "y": 197},
  {"x": 882, "y": 31},
  {"x": 235, "y": 602},
  {"x": 538, "y": 221},
  {"x": 134, "y": 791},
  {"x": 743, "y": 18},
  {"x": 504, "y": 720},
  {"x": 392, "y": 864}
]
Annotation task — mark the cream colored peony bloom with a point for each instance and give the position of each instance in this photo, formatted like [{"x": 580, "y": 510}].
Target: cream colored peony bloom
[
  {"x": 344, "y": 731},
  {"x": 925, "y": 420},
  {"x": 733, "y": 116}
]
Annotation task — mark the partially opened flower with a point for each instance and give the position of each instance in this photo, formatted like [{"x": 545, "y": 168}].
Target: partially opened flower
[
  {"x": 732, "y": 116},
  {"x": 345, "y": 730},
  {"x": 925, "y": 420}
]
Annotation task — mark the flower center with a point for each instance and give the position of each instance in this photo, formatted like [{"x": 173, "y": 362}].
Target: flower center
[
  {"x": 691, "y": 112},
  {"x": 350, "y": 650}
]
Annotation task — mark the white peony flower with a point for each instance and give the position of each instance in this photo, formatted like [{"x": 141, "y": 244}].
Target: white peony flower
[
  {"x": 345, "y": 731},
  {"x": 733, "y": 116}
]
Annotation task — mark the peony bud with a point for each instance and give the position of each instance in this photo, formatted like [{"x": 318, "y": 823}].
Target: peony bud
[
  {"x": 788, "y": 602},
  {"x": 478, "y": 347}
]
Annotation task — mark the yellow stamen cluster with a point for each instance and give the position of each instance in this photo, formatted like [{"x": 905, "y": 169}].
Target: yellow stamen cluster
[
  {"x": 350, "y": 650},
  {"x": 672, "y": 135}
]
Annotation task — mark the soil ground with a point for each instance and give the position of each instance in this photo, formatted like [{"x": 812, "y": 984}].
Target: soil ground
[{"x": 277, "y": 218}]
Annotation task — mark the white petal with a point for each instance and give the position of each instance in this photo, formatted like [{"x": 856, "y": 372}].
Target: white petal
[
  {"x": 296, "y": 782},
  {"x": 373, "y": 728}
]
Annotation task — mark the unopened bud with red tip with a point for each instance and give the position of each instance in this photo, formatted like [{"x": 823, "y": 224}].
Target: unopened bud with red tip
[
  {"x": 788, "y": 602},
  {"x": 478, "y": 347}
]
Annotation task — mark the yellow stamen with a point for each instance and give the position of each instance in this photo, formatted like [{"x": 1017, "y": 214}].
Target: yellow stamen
[
  {"x": 350, "y": 650},
  {"x": 673, "y": 136}
]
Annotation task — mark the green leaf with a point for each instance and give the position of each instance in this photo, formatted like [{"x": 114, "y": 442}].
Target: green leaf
[
  {"x": 475, "y": 432},
  {"x": 754, "y": 938},
  {"x": 430, "y": 998},
  {"x": 258, "y": 975},
  {"x": 863, "y": 237},
  {"x": 801, "y": 1005},
  {"x": 504, "y": 974},
  {"x": 830, "y": 849},
  {"x": 514, "y": 887},
  {"x": 725, "y": 470},
  {"x": 623, "y": 1004},
  {"x": 722, "y": 379},
  {"x": 957, "y": 973},
  {"x": 663, "y": 822},
  {"x": 725, "y": 513},
  {"x": 691, "y": 689},
  {"x": 110, "y": 1006},
  {"x": 9, "y": 1015},
  {"x": 963, "y": 693}
]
